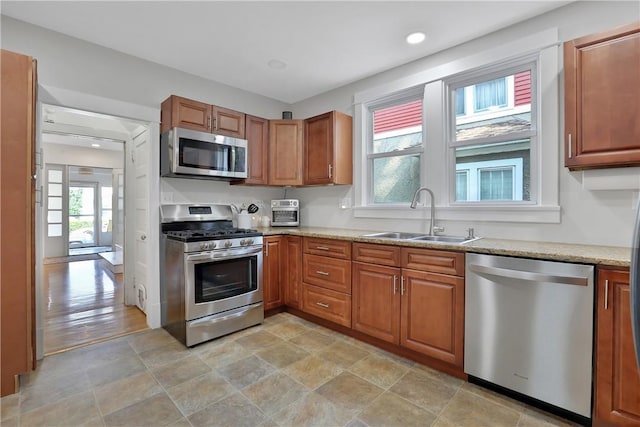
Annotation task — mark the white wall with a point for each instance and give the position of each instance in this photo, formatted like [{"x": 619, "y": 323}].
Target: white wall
[
  {"x": 62, "y": 154},
  {"x": 602, "y": 217},
  {"x": 73, "y": 64}
]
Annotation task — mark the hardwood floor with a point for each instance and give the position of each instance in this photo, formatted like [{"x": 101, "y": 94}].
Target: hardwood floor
[{"x": 84, "y": 304}]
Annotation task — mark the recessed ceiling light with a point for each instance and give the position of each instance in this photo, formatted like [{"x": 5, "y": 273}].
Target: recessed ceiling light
[
  {"x": 415, "y": 38},
  {"x": 276, "y": 64},
  {"x": 95, "y": 145}
]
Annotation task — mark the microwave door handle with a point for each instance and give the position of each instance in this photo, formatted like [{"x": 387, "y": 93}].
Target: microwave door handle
[{"x": 232, "y": 160}]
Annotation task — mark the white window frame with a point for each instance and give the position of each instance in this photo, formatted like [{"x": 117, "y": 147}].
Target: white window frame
[
  {"x": 510, "y": 68},
  {"x": 412, "y": 94},
  {"x": 545, "y": 46},
  {"x": 473, "y": 170}
]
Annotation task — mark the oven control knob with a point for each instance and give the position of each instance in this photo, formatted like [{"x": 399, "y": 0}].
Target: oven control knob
[
  {"x": 249, "y": 242},
  {"x": 204, "y": 246},
  {"x": 212, "y": 245},
  {"x": 227, "y": 244},
  {"x": 243, "y": 242}
]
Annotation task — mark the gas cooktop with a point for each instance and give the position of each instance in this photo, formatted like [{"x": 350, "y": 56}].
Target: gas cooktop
[{"x": 203, "y": 235}]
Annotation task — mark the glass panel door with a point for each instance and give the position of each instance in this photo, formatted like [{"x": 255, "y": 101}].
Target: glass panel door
[{"x": 82, "y": 215}]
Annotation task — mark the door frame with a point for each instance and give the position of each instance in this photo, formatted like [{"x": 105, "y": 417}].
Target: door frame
[{"x": 148, "y": 118}]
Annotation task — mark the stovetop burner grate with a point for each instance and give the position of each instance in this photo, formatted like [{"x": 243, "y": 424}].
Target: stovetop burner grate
[{"x": 201, "y": 235}]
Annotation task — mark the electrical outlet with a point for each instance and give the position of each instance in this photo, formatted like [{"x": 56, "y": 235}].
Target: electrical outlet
[{"x": 345, "y": 203}]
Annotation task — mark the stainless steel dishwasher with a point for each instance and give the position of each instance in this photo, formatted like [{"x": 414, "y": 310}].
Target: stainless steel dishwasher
[{"x": 529, "y": 328}]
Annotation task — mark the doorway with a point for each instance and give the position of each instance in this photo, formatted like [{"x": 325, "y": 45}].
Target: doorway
[{"x": 83, "y": 273}]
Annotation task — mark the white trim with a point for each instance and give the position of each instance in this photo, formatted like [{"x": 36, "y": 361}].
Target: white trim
[{"x": 521, "y": 47}]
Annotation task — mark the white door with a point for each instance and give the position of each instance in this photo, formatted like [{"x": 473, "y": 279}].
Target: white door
[{"x": 137, "y": 220}]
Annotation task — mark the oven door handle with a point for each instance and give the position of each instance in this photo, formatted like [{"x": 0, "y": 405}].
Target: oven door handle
[
  {"x": 220, "y": 255},
  {"x": 240, "y": 313}
]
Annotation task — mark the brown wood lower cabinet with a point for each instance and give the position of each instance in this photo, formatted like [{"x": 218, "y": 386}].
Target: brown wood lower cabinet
[
  {"x": 293, "y": 283},
  {"x": 617, "y": 381},
  {"x": 328, "y": 304},
  {"x": 413, "y": 307},
  {"x": 273, "y": 271}
]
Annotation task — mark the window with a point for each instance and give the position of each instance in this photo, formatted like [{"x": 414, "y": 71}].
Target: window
[
  {"x": 54, "y": 201},
  {"x": 395, "y": 150},
  {"x": 488, "y": 121},
  {"x": 494, "y": 144}
]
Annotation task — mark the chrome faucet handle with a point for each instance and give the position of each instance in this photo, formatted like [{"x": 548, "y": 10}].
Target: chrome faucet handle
[
  {"x": 438, "y": 229},
  {"x": 470, "y": 235}
]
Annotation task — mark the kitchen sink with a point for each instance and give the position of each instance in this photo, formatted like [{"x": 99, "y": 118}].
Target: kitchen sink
[
  {"x": 394, "y": 235},
  {"x": 445, "y": 239},
  {"x": 421, "y": 237}
]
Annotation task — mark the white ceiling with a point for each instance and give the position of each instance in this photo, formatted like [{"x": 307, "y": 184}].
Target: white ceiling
[{"x": 325, "y": 44}]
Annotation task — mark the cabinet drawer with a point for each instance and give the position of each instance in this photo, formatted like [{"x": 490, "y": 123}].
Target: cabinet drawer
[
  {"x": 327, "y": 272},
  {"x": 327, "y": 247},
  {"x": 377, "y": 254},
  {"x": 435, "y": 261},
  {"x": 328, "y": 304}
]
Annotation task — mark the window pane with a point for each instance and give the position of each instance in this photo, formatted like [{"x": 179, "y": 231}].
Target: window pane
[
  {"x": 459, "y": 101},
  {"x": 397, "y": 127},
  {"x": 462, "y": 185},
  {"x": 106, "y": 195},
  {"x": 55, "y": 175},
  {"x": 55, "y": 189},
  {"x": 494, "y": 171},
  {"x": 395, "y": 179},
  {"x": 55, "y": 202},
  {"x": 491, "y": 94},
  {"x": 496, "y": 184},
  {"x": 55, "y": 230},
  {"x": 501, "y": 106},
  {"x": 54, "y": 216}
]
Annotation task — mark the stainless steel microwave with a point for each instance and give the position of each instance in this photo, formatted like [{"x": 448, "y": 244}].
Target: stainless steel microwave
[
  {"x": 191, "y": 154},
  {"x": 285, "y": 213}
]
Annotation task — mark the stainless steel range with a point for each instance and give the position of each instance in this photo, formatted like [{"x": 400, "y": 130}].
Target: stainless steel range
[{"x": 211, "y": 281}]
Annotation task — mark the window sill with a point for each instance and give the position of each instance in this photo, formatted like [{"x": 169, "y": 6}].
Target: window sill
[{"x": 534, "y": 214}]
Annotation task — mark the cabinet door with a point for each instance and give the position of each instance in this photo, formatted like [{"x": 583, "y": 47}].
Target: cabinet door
[
  {"x": 602, "y": 99},
  {"x": 185, "y": 113},
  {"x": 272, "y": 272},
  {"x": 285, "y": 152},
  {"x": 257, "y": 134},
  {"x": 617, "y": 386},
  {"x": 293, "y": 271},
  {"x": 228, "y": 122},
  {"x": 375, "y": 301},
  {"x": 328, "y": 149},
  {"x": 432, "y": 315}
]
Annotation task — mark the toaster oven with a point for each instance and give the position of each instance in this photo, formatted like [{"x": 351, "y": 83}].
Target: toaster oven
[{"x": 285, "y": 213}]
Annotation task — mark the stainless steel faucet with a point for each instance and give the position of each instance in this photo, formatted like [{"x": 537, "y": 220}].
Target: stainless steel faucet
[{"x": 414, "y": 203}]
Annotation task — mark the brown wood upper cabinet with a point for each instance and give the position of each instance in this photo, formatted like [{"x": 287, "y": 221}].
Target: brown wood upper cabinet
[
  {"x": 328, "y": 149},
  {"x": 617, "y": 380},
  {"x": 285, "y": 152},
  {"x": 189, "y": 114},
  {"x": 257, "y": 134},
  {"x": 602, "y": 99}
]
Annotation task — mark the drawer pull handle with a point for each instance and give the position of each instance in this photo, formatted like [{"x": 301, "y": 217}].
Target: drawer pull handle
[
  {"x": 322, "y": 304},
  {"x": 322, "y": 248},
  {"x": 322, "y": 273}
]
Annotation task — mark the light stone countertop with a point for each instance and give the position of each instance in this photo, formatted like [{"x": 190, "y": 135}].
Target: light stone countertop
[{"x": 587, "y": 254}]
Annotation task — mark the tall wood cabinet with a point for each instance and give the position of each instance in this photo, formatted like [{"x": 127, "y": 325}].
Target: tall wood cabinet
[
  {"x": 328, "y": 149},
  {"x": 186, "y": 113},
  {"x": 17, "y": 204},
  {"x": 617, "y": 380},
  {"x": 412, "y": 297},
  {"x": 602, "y": 99},
  {"x": 285, "y": 152}
]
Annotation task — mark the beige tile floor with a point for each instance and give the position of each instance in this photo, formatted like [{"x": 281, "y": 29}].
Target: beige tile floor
[{"x": 285, "y": 372}]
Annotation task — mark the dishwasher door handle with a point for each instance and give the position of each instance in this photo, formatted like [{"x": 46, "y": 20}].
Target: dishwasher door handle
[{"x": 529, "y": 276}]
